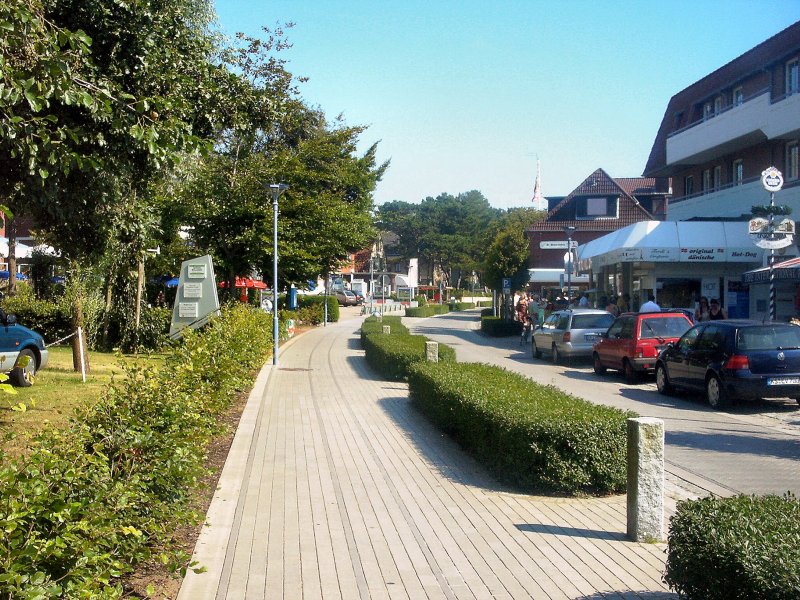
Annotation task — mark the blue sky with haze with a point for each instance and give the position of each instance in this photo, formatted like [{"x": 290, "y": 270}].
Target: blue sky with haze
[{"x": 464, "y": 95}]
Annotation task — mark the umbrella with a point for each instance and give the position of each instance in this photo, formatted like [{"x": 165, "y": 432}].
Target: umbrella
[
  {"x": 246, "y": 282},
  {"x": 172, "y": 282},
  {"x": 20, "y": 276}
]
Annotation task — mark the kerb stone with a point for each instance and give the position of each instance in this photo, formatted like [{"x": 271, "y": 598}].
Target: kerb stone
[{"x": 646, "y": 479}]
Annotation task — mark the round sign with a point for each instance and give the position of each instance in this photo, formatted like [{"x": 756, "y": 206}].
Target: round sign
[{"x": 772, "y": 179}]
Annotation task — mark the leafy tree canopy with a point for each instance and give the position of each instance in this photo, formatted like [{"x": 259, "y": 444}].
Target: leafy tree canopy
[{"x": 507, "y": 254}]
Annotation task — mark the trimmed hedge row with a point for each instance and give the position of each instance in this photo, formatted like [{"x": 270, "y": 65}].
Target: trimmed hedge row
[
  {"x": 500, "y": 327},
  {"x": 429, "y": 310},
  {"x": 312, "y": 308},
  {"x": 532, "y": 436},
  {"x": 735, "y": 548},
  {"x": 462, "y": 306},
  {"x": 393, "y": 355},
  {"x": 375, "y": 325},
  {"x": 91, "y": 501}
]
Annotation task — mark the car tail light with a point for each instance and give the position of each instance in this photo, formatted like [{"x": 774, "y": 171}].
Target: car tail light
[
  {"x": 645, "y": 352},
  {"x": 567, "y": 337},
  {"x": 736, "y": 362}
]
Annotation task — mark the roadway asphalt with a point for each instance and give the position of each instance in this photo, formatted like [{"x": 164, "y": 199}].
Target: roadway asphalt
[{"x": 751, "y": 448}]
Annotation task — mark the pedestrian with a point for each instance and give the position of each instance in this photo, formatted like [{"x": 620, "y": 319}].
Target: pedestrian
[
  {"x": 266, "y": 304},
  {"x": 715, "y": 312},
  {"x": 522, "y": 309},
  {"x": 701, "y": 313},
  {"x": 612, "y": 306},
  {"x": 584, "y": 301},
  {"x": 650, "y": 305},
  {"x": 624, "y": 303}
]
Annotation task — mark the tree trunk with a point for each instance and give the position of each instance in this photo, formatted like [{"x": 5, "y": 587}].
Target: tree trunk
[
  {"x": 78, "y": 349},
  {"x": 11, "y": 232},
  {"x": 139, "y": 284}
]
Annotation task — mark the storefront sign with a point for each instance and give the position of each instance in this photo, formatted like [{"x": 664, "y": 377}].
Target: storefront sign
[
  {"x": 557, "y": 245},
  {"x": 702, "y": 254},
  {"x": 772, "y": 179}
]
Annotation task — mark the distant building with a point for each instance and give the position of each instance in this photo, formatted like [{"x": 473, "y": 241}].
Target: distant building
[{"x": 721, "y": 132}]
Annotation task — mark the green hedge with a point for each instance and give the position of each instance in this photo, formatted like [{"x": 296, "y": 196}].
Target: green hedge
[
  {"x": 312, "y": 308},
  {"x": 532, "y": 436},
  {"x": 487, "y": 312},
  {"x": 375, "y": 325},
  {"x": 392, "y": 355},
  {"x": 91, "y": 501},
  {"x": 500, "y": 327},
  {"x": 484, "y": 303},
  {"x": 429, "y": 310},
  {"x": 462, "y": 306},
  {"x": 735, "y": 548}
]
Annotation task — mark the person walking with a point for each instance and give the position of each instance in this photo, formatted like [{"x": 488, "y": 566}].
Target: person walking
[
  {"x": 715, "y": 312},
  {"x": 701, "y": 313},
  {"x": 650, "y": 305}
]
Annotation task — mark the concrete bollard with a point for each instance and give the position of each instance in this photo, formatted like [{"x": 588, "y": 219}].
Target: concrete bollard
[
  {"x": 646, "y": 479},
  {"x": 432, "y": 351},
  {"x": 387, "y": 329}
]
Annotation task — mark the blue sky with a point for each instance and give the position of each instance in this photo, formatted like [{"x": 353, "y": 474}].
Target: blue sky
[{"x": 464, "y": 95}]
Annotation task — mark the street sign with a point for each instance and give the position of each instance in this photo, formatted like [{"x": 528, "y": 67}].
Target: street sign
[
  {"x": 557, "y": 245},
  {"x": 506, "y": 285},
  {"x": 772, "y": 179}
]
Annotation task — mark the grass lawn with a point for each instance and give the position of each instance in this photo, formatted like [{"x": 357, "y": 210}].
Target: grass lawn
[{"x": 58, "y": 389}]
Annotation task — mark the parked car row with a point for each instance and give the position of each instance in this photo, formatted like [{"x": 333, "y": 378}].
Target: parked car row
[{"x": 725, "y": 359}]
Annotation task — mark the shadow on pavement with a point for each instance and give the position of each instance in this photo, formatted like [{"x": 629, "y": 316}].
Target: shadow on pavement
[
  {"x": 597, "y": 534},
  {"x": 744, "y": 442},
  {"x": 630, "y": 595}
]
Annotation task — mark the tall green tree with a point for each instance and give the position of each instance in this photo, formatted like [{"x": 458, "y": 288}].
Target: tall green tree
[{"x": 507, "y": 254}]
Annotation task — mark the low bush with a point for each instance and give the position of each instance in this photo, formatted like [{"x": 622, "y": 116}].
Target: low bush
[
  {"x": 532, "y": 436},
  {"x": 91, "y": 501},
  {"x": 487, "y": 312},
  {"x": 375, "y": 325},
  {"x": 316, "y": 306},
  {"x": 429, "y": 310},
  {"x": 484, "y": 303},
  {"x": 392, "y": 355},
  {"x": 462, "y": 305},
  {"x": 735, "y": 548},
  {"x": 421, "y": 299},
  {"x": 500, "y": 327}
]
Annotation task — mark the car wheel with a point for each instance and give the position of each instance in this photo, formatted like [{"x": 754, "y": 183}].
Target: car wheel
[
  {"x": 629, "y": 372},
  {"x": 22, "y": 376},
  {"x": 556, "y": 355},
  {"x": 598, "y": 366},
  {"x": 715, "y": 393},
  {"x": 662, "y": 381},
  {"x": 535, "y": 352}
]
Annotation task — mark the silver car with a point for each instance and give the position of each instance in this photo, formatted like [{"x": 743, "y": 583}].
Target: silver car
[{"x": 571, "y": 332}]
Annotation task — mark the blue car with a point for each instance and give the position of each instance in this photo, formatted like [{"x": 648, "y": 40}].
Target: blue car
[{"x": 22, "y": 351}]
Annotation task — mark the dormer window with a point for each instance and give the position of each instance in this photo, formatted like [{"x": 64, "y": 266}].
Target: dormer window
[
  {"x": 738, "y": 96},
  {"x": 602, "y": 207},
  {"x": 793, "y": 77},
  {"x": 718, "y": 104}
]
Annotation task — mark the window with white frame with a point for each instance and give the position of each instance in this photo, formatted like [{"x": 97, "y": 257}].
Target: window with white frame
[
  {"x": 793, "y": 76},
  {"x": 604, "y": 207},
  {"x": 738, "y": 96},
  {"x": 688, "y": 185},
  {"x": 717, "y": 177},
  {"x": 792, "y": 160},
  {"x": 706, "y": 180},
  {"x": 708, "y": 110},
  {"x": 738, "y": 171},
  {"x": 718, "y": 102}
]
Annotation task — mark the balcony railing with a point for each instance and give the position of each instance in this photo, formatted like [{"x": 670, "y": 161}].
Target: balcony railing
[
  {"x": 727, "y": 186},
  {"x": 706, "y": 118}
]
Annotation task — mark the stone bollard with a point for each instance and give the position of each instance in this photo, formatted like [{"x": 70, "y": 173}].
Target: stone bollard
[
  {"x": 387, "y": 329},
  {"x": 432, "y": 351},
  {"x": 646, "y": 479}
]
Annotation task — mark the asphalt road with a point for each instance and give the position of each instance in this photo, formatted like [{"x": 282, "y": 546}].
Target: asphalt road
[{"x": 751, "y": 448}]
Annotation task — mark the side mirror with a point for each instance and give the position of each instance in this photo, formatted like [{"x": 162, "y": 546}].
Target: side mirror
[{"x": 11, "y": 319}]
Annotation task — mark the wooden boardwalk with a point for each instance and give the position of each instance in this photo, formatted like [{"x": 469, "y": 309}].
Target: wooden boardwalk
[{"x": 336, "y": 488}]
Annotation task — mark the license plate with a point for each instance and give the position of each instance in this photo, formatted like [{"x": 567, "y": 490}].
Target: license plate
[
  {"x": 783, "y": 381},
  {"x": 590, "y": 337}
]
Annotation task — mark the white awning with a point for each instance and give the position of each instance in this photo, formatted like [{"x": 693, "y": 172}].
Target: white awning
[
  {"x": 553, "y": 276},
  {"x": 671, "y": 241},
  {"x": 21, "y": 251}
]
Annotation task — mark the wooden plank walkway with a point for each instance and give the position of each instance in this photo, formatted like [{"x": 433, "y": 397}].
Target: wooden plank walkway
[{"x": 336, "y": 488}]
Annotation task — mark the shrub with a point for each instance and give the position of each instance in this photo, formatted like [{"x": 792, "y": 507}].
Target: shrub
[
  {"x": 317, "y": 305},
  {"x": 500, "y": 327},
  {"x": 429, "y": 310},
  {"x": 375, "y": 325},
  {"x": 735, "y": 548},
  {"x": 484, "y": 303},
  {"x": 487, "y": 312},
  {"x": 392, "y": 355},
  {"x": 421, "y": 299},
  {"x": 91, "y": 501},
  {"x": 463, "y": 306},
  {"x": 532, "y": 436}
]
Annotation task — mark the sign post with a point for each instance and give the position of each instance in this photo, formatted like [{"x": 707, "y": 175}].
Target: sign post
[{"x": 766, "y": 233}]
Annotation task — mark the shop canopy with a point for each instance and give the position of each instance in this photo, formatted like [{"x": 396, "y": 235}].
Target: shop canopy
[
  {"x": 246, "y": 282},
  {"x": 671, "y": 241},
  {"x": 788, "y": 270}
]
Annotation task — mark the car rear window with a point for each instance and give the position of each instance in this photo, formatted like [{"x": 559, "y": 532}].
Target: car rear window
[
  {"x": 769, "y": 337},
  {"x": 664, "y": 327},
  {"x": 598, "y": 321}
]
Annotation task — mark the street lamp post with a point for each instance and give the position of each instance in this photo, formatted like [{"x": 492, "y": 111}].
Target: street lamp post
[
  {"x": 569, "y": 231},
  {"x": 277, "y": 189}
]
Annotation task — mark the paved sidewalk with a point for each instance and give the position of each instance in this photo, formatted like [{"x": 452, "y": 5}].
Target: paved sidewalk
[{"x": 336, "y": 488}]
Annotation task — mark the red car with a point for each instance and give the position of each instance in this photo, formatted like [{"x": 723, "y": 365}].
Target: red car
[{"x": 634, "y": 340}]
